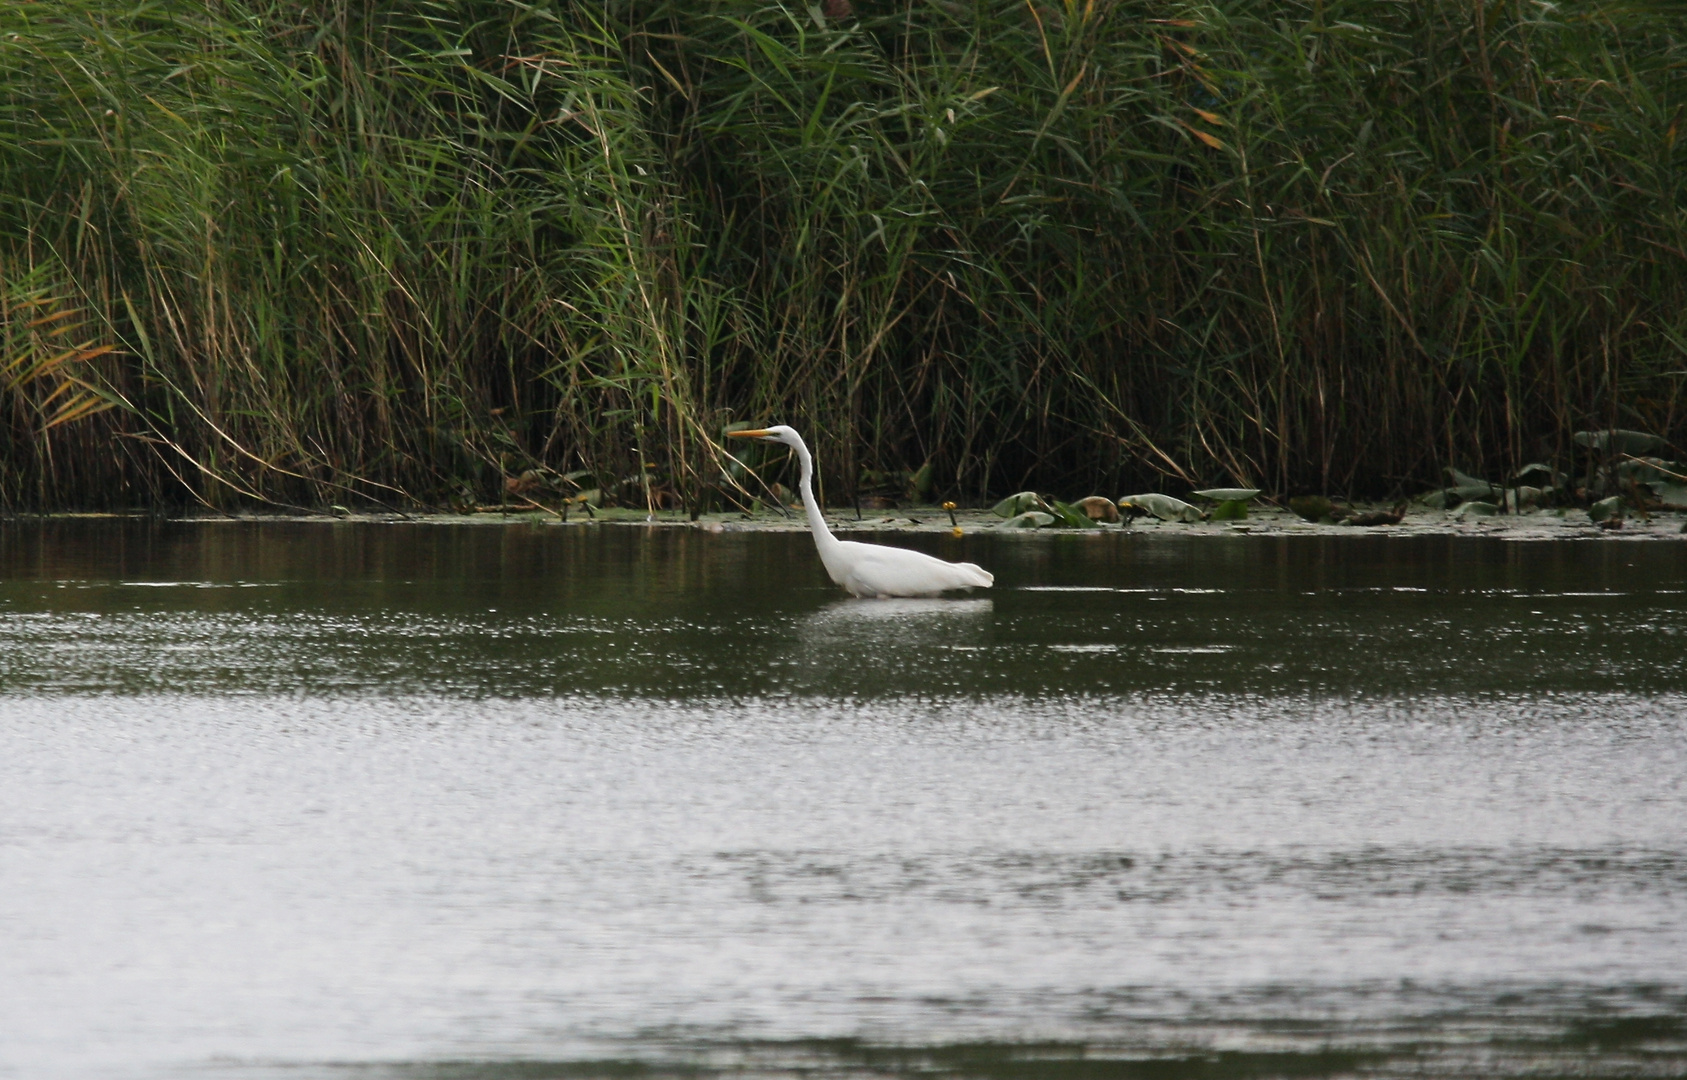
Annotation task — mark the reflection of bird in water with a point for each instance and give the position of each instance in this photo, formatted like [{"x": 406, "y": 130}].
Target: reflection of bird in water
[{"x": 870, "y": 569}]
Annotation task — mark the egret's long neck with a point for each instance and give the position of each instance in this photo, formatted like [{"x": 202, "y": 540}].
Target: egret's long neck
[{"x": 823, "y": 538}]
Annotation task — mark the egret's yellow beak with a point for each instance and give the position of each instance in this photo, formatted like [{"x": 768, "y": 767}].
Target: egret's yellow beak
[{"x": 760, "y": 433}]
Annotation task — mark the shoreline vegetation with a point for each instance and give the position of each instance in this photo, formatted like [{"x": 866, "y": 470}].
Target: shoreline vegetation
[
  {"x": 414, "y": 255},
  {"x": 932, "y": 521}
]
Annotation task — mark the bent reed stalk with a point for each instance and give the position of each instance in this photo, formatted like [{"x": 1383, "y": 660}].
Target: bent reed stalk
[{"x": 333, "y": 252}]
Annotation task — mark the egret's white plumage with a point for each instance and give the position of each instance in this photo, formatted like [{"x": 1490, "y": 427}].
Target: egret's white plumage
[{"x": 870, "y": 569}]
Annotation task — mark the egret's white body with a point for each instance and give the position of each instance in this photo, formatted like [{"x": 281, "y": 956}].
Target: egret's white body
[{"x": 871, "y": 569}]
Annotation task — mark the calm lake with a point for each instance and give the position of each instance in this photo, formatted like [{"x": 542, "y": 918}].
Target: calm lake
[{"x": 429, "y": 802}]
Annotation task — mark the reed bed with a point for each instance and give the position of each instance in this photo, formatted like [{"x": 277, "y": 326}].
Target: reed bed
[{"x": 393, "y": 254}]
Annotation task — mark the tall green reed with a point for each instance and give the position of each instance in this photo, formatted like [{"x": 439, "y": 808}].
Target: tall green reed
[{"x": 394, "y": 252}]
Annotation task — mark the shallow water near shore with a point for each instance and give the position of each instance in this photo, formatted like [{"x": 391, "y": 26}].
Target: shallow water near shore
[{"x": 413, "y": 801}]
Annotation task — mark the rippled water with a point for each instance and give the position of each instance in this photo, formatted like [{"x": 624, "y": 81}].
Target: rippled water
[{"x": 449, "y": 801}]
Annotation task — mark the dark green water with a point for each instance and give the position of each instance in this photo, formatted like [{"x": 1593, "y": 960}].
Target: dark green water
[
  {"x": 525, "y": 611},
  {"x": 348, "y": 800}
]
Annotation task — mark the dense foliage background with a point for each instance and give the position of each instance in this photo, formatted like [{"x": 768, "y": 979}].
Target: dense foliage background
[{"x": 338, "y": 251}]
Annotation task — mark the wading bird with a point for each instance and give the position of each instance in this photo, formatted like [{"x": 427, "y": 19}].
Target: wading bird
[{"x": 870, "y": 569}]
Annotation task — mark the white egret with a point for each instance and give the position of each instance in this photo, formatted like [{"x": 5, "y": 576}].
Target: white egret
[{"x": 870, "y": 569}]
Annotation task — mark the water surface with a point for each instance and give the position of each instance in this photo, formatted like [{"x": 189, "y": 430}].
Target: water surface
[{"x": 417, "y": 801}]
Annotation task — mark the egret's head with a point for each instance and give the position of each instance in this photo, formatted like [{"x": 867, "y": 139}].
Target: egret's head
[{"x": 778, "y": 433}]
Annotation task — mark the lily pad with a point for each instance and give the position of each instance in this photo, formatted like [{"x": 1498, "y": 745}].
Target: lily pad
[
  {"x": 1230, "y": 510},
  {"x": 1031, "y": 519},
  {"x": 1476, "y": 508},
  {"x": 1545, "y": 475},
  {"x": 1018, "y": 504},
  {"x": 1373, "y": 518},
  {"x": 1163, "y": 507},
  {"x": 1071, "y": 516},
  {"x": 1617, "y": 440},
  {"x": 1224, "y": 495},
  {"x": 1605, "y": 509},
  {"x": 920, "y": 482},
  {"x": 1098, "y": 508},
  {"x": 1448, "y": 497},
  {"x": 1313, "y": 508},
  {"x": 1671, "y": 495},
  {"x": 1646, "y": 470},
  {"x": 1475, "y": 491},
  {"x": 1466, "y": 486}
]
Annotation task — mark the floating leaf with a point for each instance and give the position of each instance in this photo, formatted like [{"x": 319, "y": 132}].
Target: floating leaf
[
  {"x": 1606, "y": 509},
  {"x": 1550, "y": 475},
  {"x": 1070, "y": 516},
  {"x": 1475, "y": 491},
  {"x": 1019, "y": 504},
  {"x": 1230, "y": 509},
  {"x": 1619, "y": 441},
  {"x": 1163, "y": 507},
  {"x": 920, "y": 482},
  {"x": 1471, "y": 487},
  {"x": 1311, "y": 507},
  {"x": 1671, "y": 495},
  {"x": 1031, "y": 519},
  {"x": 1374, "y": 518},
  {"x": 1644, "y": 470},
  {"x": 1476, "y": 508},
  {"x": 1098, "y": 508},
  {"x": 1240, "y": 495},
  {"x": 1463, "y": 488}
]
